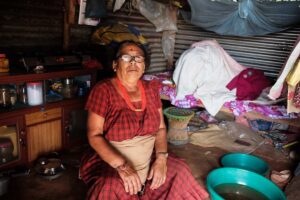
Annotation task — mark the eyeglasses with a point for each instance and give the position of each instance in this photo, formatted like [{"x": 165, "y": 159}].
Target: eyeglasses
[{"x": 129, "y": 58}]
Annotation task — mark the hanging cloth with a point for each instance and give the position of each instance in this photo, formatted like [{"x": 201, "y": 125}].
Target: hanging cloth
[
  {"x": 243, "y": 17},
  {"x": 276, "y": 89}
]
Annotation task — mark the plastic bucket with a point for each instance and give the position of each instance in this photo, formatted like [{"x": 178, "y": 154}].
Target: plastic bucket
[{"x": 227, "y": 175}]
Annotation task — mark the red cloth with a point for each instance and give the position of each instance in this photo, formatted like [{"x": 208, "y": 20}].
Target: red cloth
[
  {"x": 121, "y": 122},
  {"x": 105, "y": 184},
  {"x": 103, "y": 181},
  {"x": 249, "y": 84}
]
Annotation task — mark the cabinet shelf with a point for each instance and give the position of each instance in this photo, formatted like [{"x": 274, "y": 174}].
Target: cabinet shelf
[
  {"x": 24, "y": 109},
  {"x": 51, "y": 126},
  {"x": 18, "y": 78}
]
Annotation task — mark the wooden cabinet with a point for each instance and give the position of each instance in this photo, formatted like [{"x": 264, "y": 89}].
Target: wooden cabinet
[
  {"x": 74, "y": 123},
  {"x": 52, "y": 126},
  {"x": 44, "y": 132}
]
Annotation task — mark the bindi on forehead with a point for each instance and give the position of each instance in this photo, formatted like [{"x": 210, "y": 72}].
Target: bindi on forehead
[{"x": 132, "y": 48}]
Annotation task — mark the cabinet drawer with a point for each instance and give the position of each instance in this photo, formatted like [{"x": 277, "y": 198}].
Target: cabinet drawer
[{"x": 39, "y": 117}]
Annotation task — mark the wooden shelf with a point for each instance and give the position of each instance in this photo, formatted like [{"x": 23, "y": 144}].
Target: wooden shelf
[
  {"x": 16, "y": 78},
  {"x": 29, "y": 109},
  {"x": 21, "y": 78}
]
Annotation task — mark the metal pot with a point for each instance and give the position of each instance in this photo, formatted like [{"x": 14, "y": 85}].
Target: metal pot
[
  {"x": 49, "y": 168},
  {"x": 6, "y": 150}
]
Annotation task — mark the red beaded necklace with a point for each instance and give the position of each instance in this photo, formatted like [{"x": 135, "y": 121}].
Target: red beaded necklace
[{"x": 127, "y": 98}]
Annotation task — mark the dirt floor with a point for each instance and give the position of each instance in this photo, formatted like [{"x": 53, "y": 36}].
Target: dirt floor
[{"x": 69, "y": 187}]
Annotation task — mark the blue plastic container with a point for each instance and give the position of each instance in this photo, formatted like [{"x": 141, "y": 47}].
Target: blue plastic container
[
  {"x": 245, "y": 161},
  {"x": 228, "y": 175}
]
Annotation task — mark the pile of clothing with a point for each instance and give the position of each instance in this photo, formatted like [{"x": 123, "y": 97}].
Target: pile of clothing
[{"x": 211, "y": 75}]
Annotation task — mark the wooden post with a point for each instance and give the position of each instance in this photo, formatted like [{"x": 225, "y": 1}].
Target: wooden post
[
  {"x": 66, "y": 30},
  {"x": 71, "y": 11}
]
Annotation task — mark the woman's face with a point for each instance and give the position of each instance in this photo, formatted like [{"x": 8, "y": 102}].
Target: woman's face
[{"x": 130, "y": 64}]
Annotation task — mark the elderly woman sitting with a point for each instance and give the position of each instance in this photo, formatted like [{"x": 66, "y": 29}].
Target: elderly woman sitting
[{"x": 127, "y": 133}]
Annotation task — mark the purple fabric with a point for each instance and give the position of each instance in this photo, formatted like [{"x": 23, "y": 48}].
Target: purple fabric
[
  {"x": 237, "y": 107},
  {"x": 275, "y": 112}
]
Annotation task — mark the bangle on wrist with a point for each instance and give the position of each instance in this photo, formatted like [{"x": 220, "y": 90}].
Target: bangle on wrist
[
  {"x": 122, "y": 167},
  {"x": 164, "y": 154}
]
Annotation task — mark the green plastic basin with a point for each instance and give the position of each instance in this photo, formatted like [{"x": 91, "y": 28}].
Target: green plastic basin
[
  {"x": 245, "y": 161},
  {"x": 228, "y": 175}
]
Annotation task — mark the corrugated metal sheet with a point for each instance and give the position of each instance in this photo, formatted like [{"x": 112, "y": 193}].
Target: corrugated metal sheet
[
  {"x": 30, "y": 25},
  {"x": 36, "y": 26},
  {"x": 267, "y": 53},
  {"x": 158, "y": 62}
]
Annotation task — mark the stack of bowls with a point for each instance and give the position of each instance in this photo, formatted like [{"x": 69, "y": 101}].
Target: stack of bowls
[{"x": 242, "y": 177}]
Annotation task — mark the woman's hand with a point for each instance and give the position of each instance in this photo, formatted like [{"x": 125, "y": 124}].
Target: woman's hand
[
  {"x": 131, "y": 180},
  {"x": 158, "y": 172}
]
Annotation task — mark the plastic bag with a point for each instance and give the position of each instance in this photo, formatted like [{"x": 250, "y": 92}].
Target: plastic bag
[
  {"x": 158, "y": 14},
  {"x": 95, "y": 9},
  {"x": 229, "y": 136},
  {"x": 242, "y": 135}
]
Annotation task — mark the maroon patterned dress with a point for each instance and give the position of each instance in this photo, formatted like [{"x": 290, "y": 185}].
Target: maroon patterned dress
[{"x": 122, "y": 123}]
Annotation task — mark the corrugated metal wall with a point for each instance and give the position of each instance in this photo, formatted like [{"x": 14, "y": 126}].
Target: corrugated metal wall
[
  {"x": 30, "y": 25},
  {"x": 267, "y": 52},
  {"x": 36, "y": 26}
]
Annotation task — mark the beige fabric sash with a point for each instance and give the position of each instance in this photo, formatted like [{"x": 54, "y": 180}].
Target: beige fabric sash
[{"x": 137, "y": 151}]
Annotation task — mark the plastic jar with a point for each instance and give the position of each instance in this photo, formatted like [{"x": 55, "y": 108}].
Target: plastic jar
[
  {"x": 4, "y": 64},
  {"x": 34, "y": 93},
  {"x": 13, "y": 96}
]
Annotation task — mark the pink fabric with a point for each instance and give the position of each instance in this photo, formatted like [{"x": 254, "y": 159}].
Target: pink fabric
[
  {"x": 249, "y": 84},
  {"x": 275, "y": 112}
]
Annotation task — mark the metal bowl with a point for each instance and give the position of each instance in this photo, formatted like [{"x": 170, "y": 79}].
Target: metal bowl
[{"x": 50, "y": 168}]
